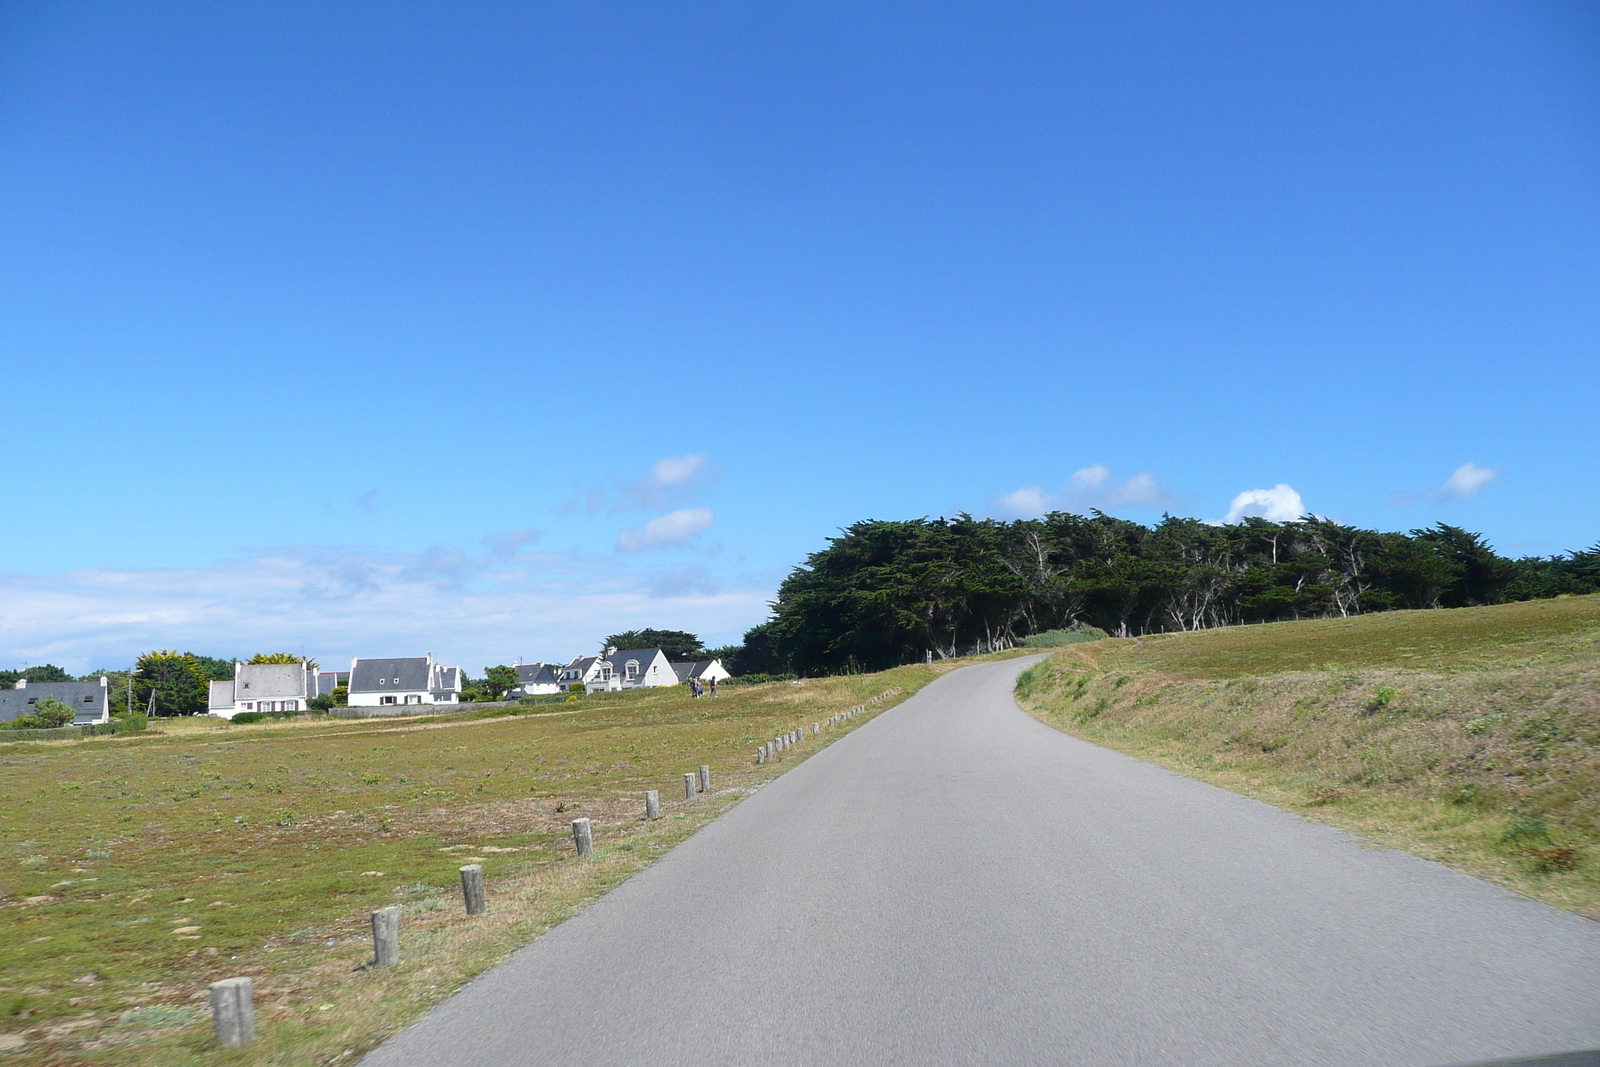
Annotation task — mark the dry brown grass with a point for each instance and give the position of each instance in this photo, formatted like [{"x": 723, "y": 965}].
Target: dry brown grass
[{"x": 1470, "y": 737}]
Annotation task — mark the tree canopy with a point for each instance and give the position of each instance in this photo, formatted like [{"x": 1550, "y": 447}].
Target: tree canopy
[
  {"x": 889, "y": 592},
  {"x": 45, "y": 672},
  {"x": 176, "y": 680},
  {"x": 281, "y": 657},
  {"x": 677, "y": 644}
]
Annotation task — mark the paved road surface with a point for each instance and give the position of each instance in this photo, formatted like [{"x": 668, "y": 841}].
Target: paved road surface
[{"x": 955, "y": 883}]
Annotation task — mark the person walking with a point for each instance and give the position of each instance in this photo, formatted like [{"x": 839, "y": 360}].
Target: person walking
[{"x": 713, "y": 687}]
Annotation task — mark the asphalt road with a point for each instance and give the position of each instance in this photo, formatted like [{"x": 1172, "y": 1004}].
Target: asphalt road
[{"x": 955, "y": 883}]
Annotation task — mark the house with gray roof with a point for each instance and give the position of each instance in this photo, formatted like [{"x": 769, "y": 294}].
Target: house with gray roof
[
  {"x": 407, "y": 680},
  {"x": 90, "y": 701},
  {"x": 706, "y": 670},
  {"x": 264, "y": 687},
  {"x": 536, "y": 679},
  {"x": 630, "y": 668}
]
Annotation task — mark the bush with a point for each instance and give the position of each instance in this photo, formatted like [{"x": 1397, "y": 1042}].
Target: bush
[
  {"x": 577, "y": 689},
  {"x": 48, "y": 714},
  {"x": 1061, "y": 638},
  {"x": 249, "y": 716}
]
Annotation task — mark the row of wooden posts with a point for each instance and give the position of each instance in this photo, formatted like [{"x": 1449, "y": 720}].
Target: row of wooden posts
[{"x": 233, "y": 999}]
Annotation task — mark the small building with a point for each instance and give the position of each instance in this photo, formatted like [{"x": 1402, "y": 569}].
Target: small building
[
  {"x": 706, "y": 670},
  {"x": 618, "y": 669},
  {"x": 591, "y": 672},
  {"x": 328, "y": 681},
  {"x": 90, "y": 701},
  {"x": 409, "y": 680},
  {"x": 263, "y": 687},
  {"x": 536, "y": 679}
]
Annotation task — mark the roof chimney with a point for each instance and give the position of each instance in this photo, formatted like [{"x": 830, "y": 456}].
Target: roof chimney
[{"x": 22, "y": 683}]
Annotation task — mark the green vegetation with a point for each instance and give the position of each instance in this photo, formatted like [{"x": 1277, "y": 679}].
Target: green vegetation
[
  {"x": 134, "y": 871},
  {"x": 48, "y": 714},
  {"x": 884, "y": 593},
  {"x": 171, "y": 683},
  {"x": 679, "y": 645},
  {"x": 1469, "y": 736}
]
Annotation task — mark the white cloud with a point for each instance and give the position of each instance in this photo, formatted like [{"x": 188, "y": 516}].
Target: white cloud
[
  {"x": 1025, "y": 503},
  {"x": 676, "y": 470},
  {"x": 672, "y": 480},
  {"x": 1089, "y": 487},
  {"x": 338, "y": 602},
  {"x": 1467, "y": 482},
  {"x": 674, "y": 528},
  {"x": 1278, "y": 504},
  {"x": 1140, "y": 491},
  {"x": 1088, "y": 479}
]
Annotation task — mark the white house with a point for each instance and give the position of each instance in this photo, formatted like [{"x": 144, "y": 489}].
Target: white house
[
  {"x": 536, "y": 679},
  {"x": 90, "y": 701},
  {"x": 707, "y": 670},
  {"x": 263, "y": 687},
  {"x": 410, "y": 680},
  {"x": 633, "y": 668}
]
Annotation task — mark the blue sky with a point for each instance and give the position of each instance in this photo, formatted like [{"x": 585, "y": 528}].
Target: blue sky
[{"x": 384, "y": 329}]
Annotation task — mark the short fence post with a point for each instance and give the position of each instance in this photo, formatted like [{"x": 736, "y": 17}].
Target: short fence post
[
  {"x": 705, "y": 778},
  {"x": 761, "y": 754},
  {"x": 233, "y": 1011},
  {"x": 583, "y": 836},
  {"x": 816, "y": 728},
  {"x": 472, "y": 888},
  {"x": 386, "y": 936},
  {"x": 652, "y": 804},
  {"x": 688, "y": 786}
]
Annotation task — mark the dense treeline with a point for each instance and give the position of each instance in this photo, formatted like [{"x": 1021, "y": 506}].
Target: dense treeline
[{"x": 886, "y": 593}]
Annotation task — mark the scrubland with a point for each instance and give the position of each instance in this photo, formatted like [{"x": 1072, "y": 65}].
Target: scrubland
[{"x": 1470, "y": 736}]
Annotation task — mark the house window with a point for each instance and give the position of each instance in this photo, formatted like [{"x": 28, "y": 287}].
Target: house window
[
  {"x": 383, "y": 681},
  {"x": 291, "y": 705},
  {"x": 632, "y": 669},
  {"x": 413, "y": 698},
  {"x": 397, "y": 681},
  {"x": 386, "y": 700}
]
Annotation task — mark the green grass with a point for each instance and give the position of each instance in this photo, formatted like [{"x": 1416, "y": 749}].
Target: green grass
[
  {"x": 1469, "y": 736},
  {"x": 135, "y": 871}
]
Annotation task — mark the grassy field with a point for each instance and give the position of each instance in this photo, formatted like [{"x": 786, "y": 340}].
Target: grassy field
[
  {"x": 1469, "y": 736},
  {"x": 135, "y": 871}
]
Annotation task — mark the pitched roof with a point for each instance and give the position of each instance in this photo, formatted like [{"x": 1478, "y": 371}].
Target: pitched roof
[
  {"x": 270, "y": 681},
  {"x": 447, "y": 678},
  {"x": 219, "y": 695},
  {"x": 406, "y": 673},
  {"x": 81, "y": 697},
  {"x": 536, "y": 674},
  {"x": 685, "y": 671}
]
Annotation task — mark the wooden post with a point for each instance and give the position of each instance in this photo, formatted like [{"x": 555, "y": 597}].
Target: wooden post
[
  {"x": 386, "y": 936},
  {"x": 233, "y": 1011},
  {"x": 583, "y": 836},
  {"x": 652, "y": 804},
  {"x": 705, "y": 778},
  {"x": 688, "y": 786},
  {"x": 472, "y": 888}
]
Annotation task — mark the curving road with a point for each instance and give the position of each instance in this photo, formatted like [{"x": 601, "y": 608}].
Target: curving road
[{"x": 955, "y": 883}]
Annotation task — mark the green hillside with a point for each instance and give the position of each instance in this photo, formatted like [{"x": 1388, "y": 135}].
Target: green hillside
[{"x": 1469, "y": 736}]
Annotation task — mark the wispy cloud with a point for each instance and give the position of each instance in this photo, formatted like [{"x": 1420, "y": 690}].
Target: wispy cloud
[
  {"x": 335, "y": 602},
  {"x": 673, "y": 481},
  {"x": 674, "y": 528},
  {"x": 1088, "y": 487},
  {"x": 1464, "y": 483},
  {"x": 1278, "y": 504}
]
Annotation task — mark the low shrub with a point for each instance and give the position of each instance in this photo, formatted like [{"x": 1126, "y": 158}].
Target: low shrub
[{"x": 1061, "y": 638}]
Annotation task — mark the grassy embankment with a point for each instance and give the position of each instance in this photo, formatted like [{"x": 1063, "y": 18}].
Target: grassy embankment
[
  {"x": 135, "y": 871},
  {"x": 1469, "y": 736}
]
